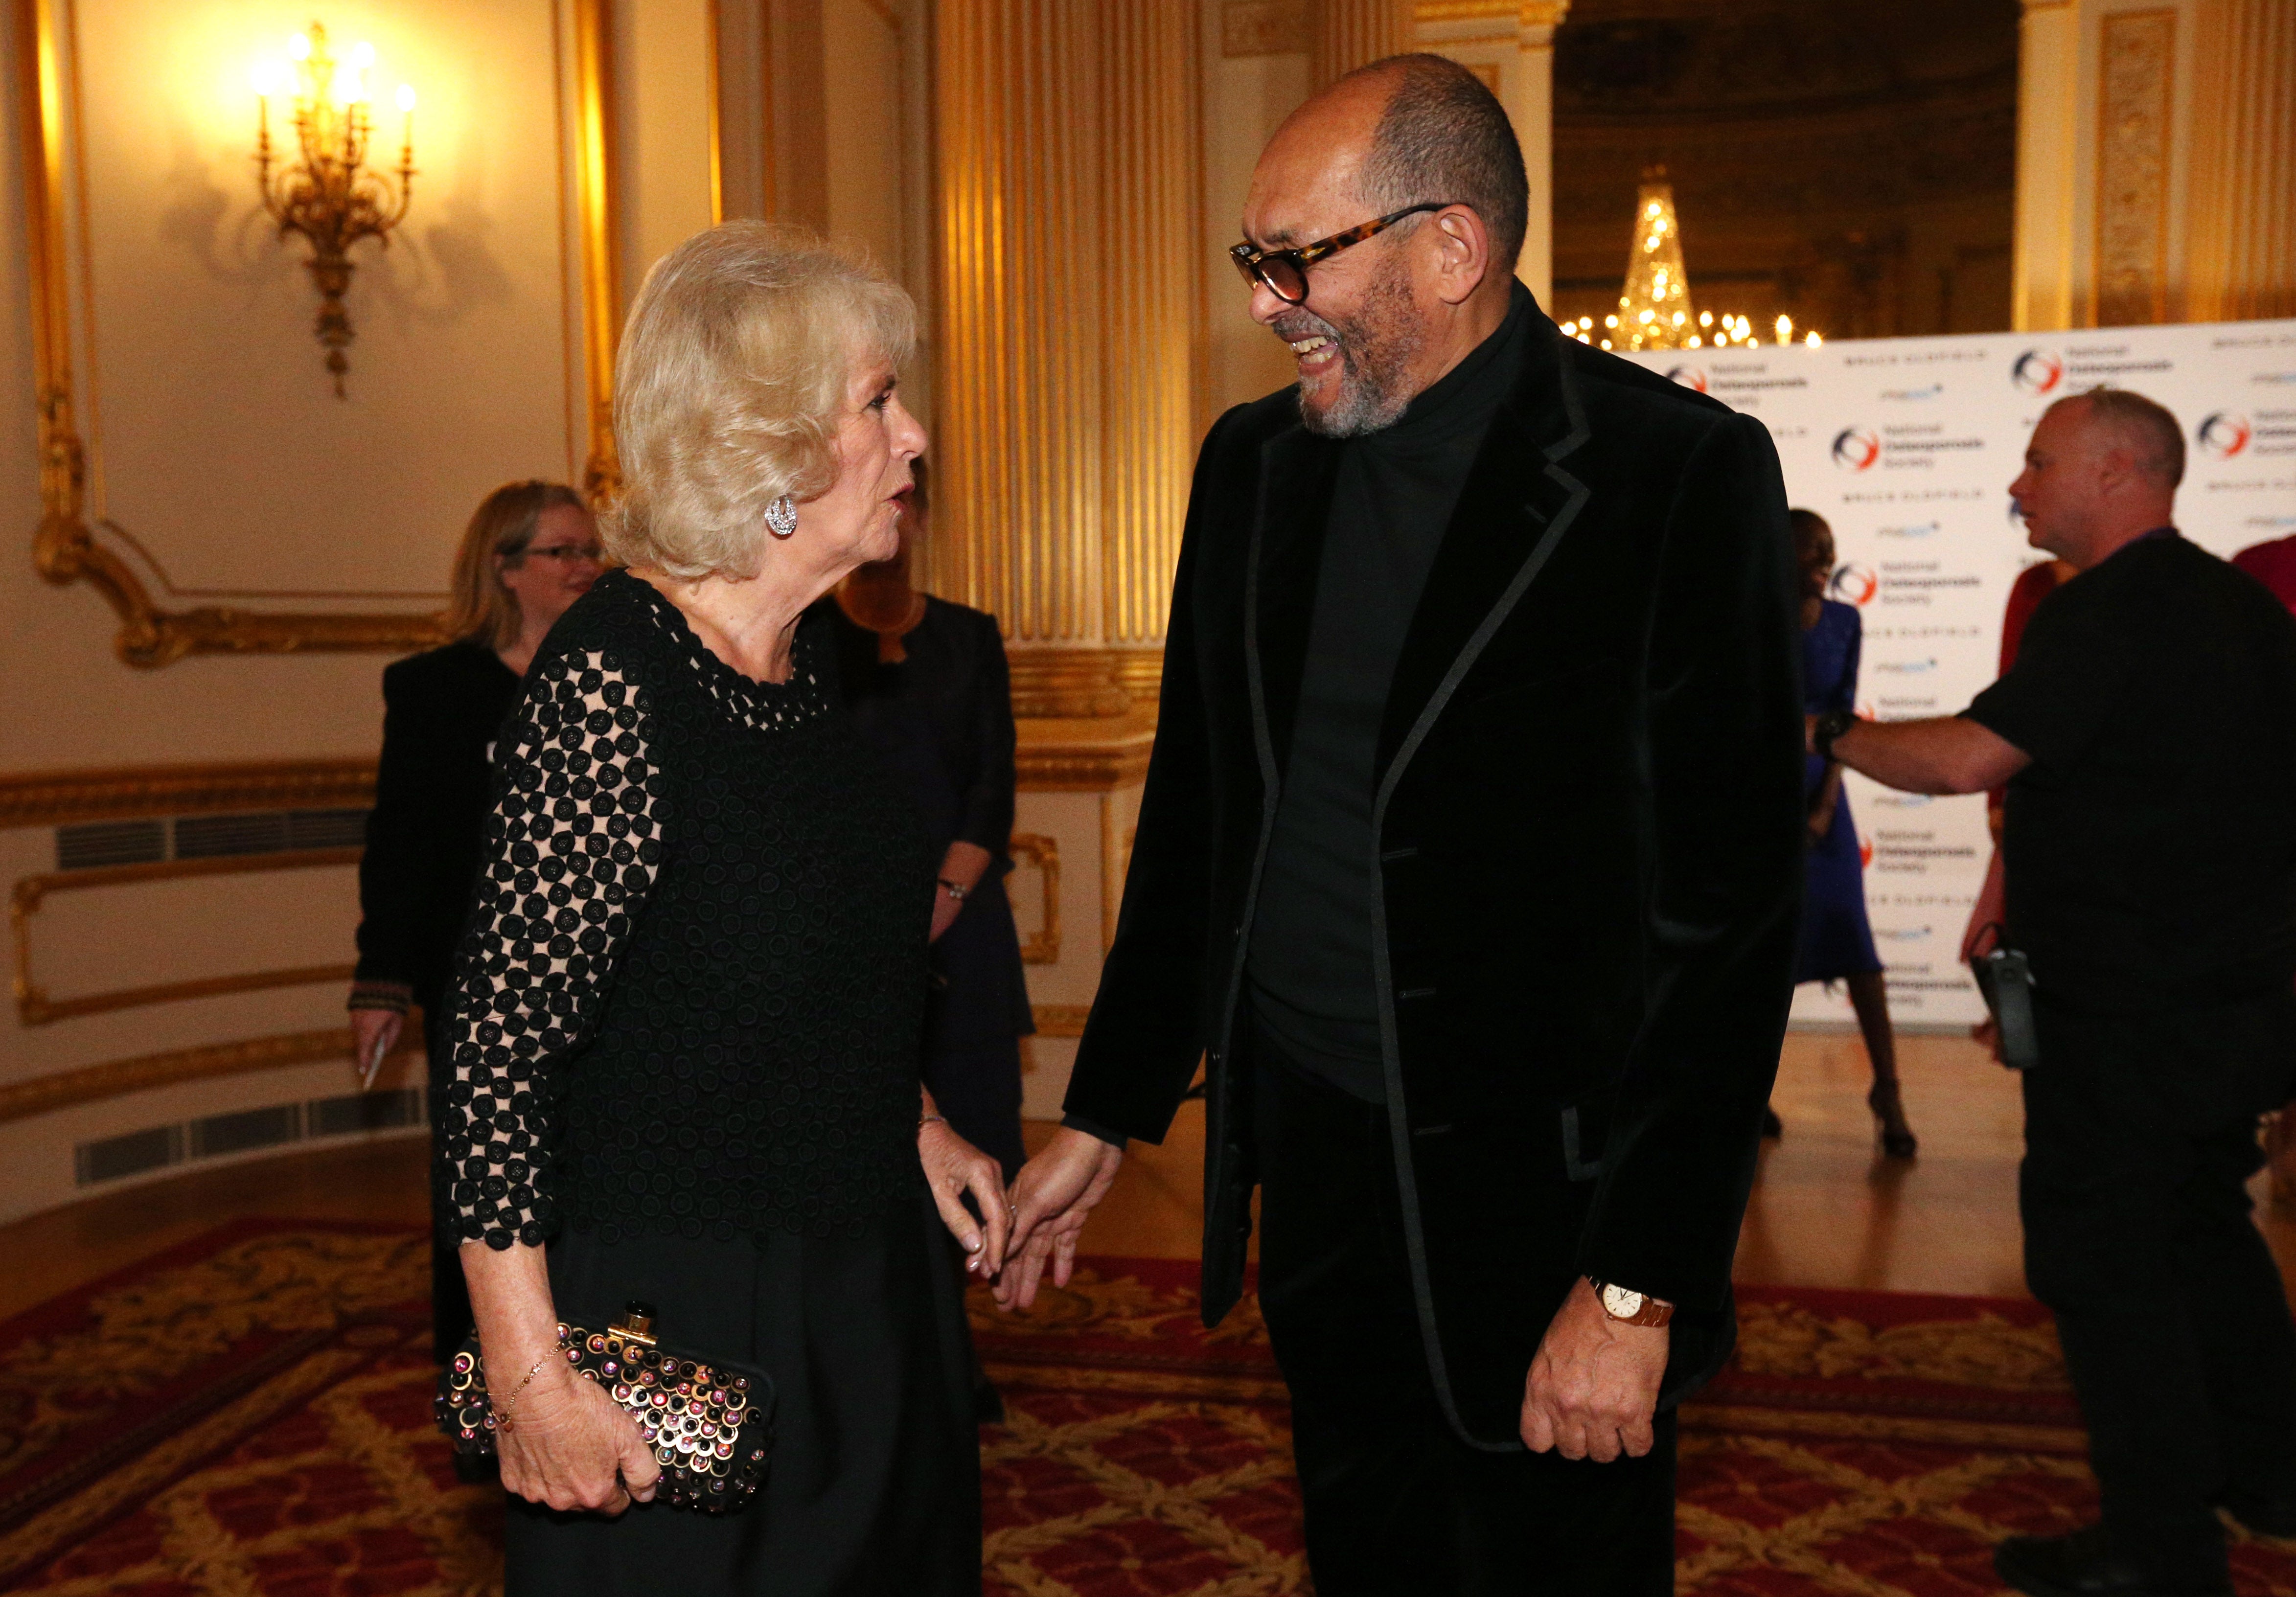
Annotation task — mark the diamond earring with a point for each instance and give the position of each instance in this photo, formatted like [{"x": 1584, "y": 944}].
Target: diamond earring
[{"x": 781, "y": 516}]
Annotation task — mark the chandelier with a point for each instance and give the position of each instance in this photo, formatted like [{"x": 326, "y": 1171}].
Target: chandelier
[
  {"x": 331, "y": 195},
  {"x": 1655, "y": 311}
]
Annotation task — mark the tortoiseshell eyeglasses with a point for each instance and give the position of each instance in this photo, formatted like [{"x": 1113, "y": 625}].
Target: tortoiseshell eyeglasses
[{"x": 1285, "y": 271}]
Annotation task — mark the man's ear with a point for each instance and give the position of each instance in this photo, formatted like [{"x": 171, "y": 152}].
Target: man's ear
[{"x": 1464, "y": 252}]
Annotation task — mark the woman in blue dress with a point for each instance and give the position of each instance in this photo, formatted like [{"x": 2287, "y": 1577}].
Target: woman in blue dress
[{"x": 1837, "y": 945}]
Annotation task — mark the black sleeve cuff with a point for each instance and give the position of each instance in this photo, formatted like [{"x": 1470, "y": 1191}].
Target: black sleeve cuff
[{"x": 1114, "y": 1139}]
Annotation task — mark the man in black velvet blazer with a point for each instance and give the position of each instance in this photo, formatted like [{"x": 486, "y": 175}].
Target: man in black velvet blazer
[{"x": 1467, "y": 863}]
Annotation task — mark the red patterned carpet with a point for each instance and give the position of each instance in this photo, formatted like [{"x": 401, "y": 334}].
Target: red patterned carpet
[{"x": 248, "y": 1414}]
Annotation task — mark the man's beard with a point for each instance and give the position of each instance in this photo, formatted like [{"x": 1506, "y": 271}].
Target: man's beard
[{"x": 1376, "y": 346}]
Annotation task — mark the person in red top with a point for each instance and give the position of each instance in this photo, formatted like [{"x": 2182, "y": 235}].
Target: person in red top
[{"x": 2272, "y": 564}]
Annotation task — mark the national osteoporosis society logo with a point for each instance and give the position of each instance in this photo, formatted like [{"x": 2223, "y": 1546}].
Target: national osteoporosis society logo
[
  {"x": 1689, "y": 377},
  {"x": 2224, "y": 434},
  {"x": 1855, "y": 584},
  {"x": 2037, "y": 371},
  {"x": 1856, "y": 448}
]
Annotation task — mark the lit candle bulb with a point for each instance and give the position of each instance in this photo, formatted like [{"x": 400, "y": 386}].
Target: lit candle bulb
[{"x": 407, "y": 104}]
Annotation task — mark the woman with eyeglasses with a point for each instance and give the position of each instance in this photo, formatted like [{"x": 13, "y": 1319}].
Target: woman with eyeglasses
[{"x": 528, "y": 552}]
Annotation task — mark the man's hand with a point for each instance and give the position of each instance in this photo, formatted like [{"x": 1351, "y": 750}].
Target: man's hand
[
  {"x": 1593, "y": 1385},
  {"x": 1056, "y": 1190}
]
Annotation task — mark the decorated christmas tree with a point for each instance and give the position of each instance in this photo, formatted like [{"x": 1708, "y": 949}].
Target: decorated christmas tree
[{"x": 1655, "y": 308}]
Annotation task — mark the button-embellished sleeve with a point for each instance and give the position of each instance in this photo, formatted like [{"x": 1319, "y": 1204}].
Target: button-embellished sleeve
[{"x": 572, "y": 850}]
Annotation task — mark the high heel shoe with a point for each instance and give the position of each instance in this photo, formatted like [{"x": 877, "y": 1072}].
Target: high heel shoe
[{"x": 1898, "y": 1139}]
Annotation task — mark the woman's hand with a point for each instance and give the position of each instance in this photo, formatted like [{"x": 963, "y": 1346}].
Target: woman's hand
[
  {"x": 953, "y": 1168},
  {"x": 374, "y": 1034},
  {"x": 569, "y": 1445},
  {"x": 565, "y": 1444}
]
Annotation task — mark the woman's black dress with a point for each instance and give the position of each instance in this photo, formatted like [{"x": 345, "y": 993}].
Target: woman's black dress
[
  {"x": 425, "y": 843},
  {"x": 686, "y": 1056},
  {"x": 941, "y": 719}
]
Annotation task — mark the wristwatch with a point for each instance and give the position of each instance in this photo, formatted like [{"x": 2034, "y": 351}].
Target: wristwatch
[
  {"x": 1831, "y": 726},
  {"x": 1628, "y": 1306}
]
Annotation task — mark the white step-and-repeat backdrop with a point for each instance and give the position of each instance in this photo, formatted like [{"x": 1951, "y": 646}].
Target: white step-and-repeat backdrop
[{"x": 1906, "y": 446}]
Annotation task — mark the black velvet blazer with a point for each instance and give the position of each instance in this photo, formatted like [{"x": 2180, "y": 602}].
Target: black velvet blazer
[
  {"x": 1588, "y": 830},
  {"x": 426, "y": 837}
]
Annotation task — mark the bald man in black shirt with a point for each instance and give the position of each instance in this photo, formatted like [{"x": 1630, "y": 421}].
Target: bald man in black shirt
[{"x": 2147, "y": 735}]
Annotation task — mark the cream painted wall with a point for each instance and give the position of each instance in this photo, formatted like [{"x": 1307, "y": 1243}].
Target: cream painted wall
[{"x": 458, "y": 381}]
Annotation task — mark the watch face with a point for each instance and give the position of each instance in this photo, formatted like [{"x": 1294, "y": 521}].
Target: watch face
[{"x": 1620, "y": 1303}]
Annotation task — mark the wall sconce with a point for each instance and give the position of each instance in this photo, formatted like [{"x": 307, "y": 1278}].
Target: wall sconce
[{"x": 331, "y": 196}]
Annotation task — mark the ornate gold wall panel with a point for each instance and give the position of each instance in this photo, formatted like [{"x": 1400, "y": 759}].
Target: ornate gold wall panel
[
  {"x": 1343, "y": 35},
  {"x": 1022, "y": 226},
  {"x": 2136, "y": 88},
  {"x": 34, "y": 1007},
  {"x": 65, "y": 547},
  {"x": 2241, "y": 238},
  {"x": 1068, "y": 325},
  {"x": 595, "y": 142},
  {"x": 1153, "y": 329},
  {"x": 1042, "y": 946}
]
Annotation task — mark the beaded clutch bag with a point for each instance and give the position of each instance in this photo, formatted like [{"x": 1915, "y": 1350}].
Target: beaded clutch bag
[{"x": 710, "y": 1423}]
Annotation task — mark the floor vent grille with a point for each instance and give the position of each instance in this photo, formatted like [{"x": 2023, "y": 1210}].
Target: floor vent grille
[
  {"x": 96, "y": 843},
  {"x": 245, "y": 1131}
]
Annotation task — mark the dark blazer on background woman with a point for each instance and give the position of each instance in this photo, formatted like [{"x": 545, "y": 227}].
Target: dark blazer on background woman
[
  {"x": 425, "y": 845},
  {"x": 941, "y": 721},
  {"x": 426, "y": 837}
]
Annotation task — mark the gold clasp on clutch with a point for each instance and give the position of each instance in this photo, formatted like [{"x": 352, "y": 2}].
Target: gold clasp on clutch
[{"x": 637, "y": 1324}]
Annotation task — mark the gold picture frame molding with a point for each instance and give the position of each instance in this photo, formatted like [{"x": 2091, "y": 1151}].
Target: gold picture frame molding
[{"x": 65, "y": 551}]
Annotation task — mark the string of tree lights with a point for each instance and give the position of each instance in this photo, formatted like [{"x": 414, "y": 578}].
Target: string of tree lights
[{"x": 1655, "y": 311}]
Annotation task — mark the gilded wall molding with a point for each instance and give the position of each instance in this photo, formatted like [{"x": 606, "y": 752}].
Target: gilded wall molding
[
  {"x": 65, "y": 549},
  {"x": 1042, "y": 946},
  {"x": 595, "y": 142},
  {"x": 124, "y": 792},
  {"x": 1060, "y": 1020},
  {"x": 1052, "y": 758},
  {"x": 2136, "y": 81},
  {"x": 34, "y": 1007},
  {"x": 118, "y": 1077}
]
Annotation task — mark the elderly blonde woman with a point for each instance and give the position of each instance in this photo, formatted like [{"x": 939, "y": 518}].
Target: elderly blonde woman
[{"x": 686, "y": 1015}]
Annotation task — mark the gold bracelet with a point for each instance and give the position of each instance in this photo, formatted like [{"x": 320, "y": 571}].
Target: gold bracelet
[{"x": 502, "y": 1405}]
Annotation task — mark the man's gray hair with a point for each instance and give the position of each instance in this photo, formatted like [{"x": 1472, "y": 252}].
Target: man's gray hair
[
  {"x": 1446, "y": 137},
  {"x": 2149, "y": 430}
]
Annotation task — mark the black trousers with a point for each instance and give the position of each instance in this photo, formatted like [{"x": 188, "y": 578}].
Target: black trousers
[
  {"x": 2140, "y": 1136},
  {"x": 1396, "y": 1503}
]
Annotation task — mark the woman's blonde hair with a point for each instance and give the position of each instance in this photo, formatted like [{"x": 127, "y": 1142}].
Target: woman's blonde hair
[
  {"x": 503, "y": 524},
  {"x": 730, "y": 385}
]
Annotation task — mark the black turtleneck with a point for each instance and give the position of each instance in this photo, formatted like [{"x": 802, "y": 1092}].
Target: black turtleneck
[{"x": 1310, "y": 963}]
